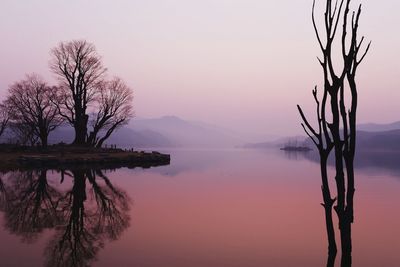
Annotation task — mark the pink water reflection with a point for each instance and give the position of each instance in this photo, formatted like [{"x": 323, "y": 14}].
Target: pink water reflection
[{"x": 239, "y": 208}]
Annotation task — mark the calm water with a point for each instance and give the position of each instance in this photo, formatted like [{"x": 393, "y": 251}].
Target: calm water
[{"x": 208, "y": 208}]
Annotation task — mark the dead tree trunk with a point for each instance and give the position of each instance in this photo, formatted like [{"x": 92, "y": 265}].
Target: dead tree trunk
[
  {"x": 324, "y": 144},
  {"x": 341, "y": 136}
]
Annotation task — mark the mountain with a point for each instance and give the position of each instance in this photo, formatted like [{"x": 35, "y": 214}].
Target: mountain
[
  {"x": 375, "y": 127},
  {"x": 123, "y": 137},
  {"x": 186, "y": 133},
  {"x": 370, "y": 137},
  {"x": 168, "y": 131},
  {"x": 388, "y": 141},
  {"x": 379, "y": 141}
]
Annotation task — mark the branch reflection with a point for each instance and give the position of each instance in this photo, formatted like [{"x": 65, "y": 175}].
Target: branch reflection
[{"x": 83, "y": 208}]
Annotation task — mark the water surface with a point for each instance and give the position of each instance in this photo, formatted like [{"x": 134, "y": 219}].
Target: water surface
[{"x": 208, "y": 208}]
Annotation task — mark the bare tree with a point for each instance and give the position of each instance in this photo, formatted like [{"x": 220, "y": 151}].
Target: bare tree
[
  {"x": 32, "y": 109},
  {"x": 339, "y": 134},
  {"x": 322, "y": 140},
  {"x": 79, "y": 69},
  {"x": 22, "y": 134},
  {"x": 4, "y": 118},
  {"x": 114, "y": 110}
]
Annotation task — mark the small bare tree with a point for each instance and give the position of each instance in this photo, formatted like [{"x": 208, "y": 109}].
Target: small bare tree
[
  {"x": 79, "y": 69},
  {"x": 114, "y": 104},
  {"x": 32, "y": 110},
  {"x": 4, "y": 118},
  {"x": 22, "y": 134}
]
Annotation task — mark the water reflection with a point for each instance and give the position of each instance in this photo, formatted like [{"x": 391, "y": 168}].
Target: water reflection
[
  {"x": 295, "y": 155},
  {"x": 369, "y": 161},
  {"x": 31, "y": 204},
  {"x": 84, "y": 212}
]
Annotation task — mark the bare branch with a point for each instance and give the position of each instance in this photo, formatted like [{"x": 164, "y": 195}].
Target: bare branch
[
  {"x": 365, "y": 53},
  {"x": 309, "y": 135},
  {"x": 306, "y": 122},
  {"x": 316, "y": 29}
]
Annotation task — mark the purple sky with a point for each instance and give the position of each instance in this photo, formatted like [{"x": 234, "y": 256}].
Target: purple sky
[{"x": 235, "y": 63}]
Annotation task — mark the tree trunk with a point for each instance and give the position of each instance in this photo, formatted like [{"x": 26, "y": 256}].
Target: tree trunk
[
  {"x": 328, "y": 204},
  {"x": 345, "y": 235},
  {"x": 43, "y": 140},
  {"x": 80, "y": 127},
  {"x": 107, "y": 135},
  {"x": 348, "y": 216}
]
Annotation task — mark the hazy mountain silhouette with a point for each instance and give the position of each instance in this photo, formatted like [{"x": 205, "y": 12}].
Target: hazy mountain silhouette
[
  {"x": 168, "y": 131},
  {"x": 376, "y": 127},
  {"x": 375, "y": 151},
  {"x": 370, "y": 161},
  {"x": 386, "y": 140},
  {"x": 366, "y": 140},
  {"x": 186, "y": 133},
  {"x": 172, "y": 131},
  {"x": 124, "y": 137}
]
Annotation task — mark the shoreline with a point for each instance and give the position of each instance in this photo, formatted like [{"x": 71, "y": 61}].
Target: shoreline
[{"x": 15, "y": 157}]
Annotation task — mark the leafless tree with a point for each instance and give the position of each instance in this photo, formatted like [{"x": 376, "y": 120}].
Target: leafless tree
[
  {"x": 324, "y": 144},
  {"x": 22, "y": 134},
  {"x": 339, "y": 134},
  {"x": 32, "y": 110},
  {"x": 114, "y": 110},
  {"x": 79, "y": 69},
  {"x": 4, "y": 118}
]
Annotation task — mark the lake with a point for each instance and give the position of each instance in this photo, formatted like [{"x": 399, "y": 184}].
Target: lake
[{"x": 216, "y": 208}]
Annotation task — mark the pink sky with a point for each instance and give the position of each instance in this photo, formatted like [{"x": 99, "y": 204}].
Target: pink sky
[{"x": 235, "y": 63}]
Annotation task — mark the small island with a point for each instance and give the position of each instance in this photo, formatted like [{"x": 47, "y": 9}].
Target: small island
[
  {"x": 296, "y": 146},
  {"x": 64, "y": 156}
]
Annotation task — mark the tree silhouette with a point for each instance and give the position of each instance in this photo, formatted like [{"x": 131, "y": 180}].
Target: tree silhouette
[
  {"x": 114, "y": 110},
  {"x": 340, "y": 132},
  {"x": 4, "y": 118},
  {"x": 31, "y": 108},
  {"x": 324, "y": 144},
  {"x": 79, "y": 69},
  {"x": 85, "y": 91}
]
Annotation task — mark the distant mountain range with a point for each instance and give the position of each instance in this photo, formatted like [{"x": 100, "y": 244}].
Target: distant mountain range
[
  {"x": 375, "y": 127},
  {"x": 379, "y": 141},
  {"x": 370, "y": 137},
  {"x": 173, "y": 132},
  {"x": 184, "y": 133},
  {"x": 167, "y": 131}
]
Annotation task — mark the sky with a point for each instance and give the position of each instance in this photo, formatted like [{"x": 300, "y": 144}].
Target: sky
[{"x": 239, "y": 64}]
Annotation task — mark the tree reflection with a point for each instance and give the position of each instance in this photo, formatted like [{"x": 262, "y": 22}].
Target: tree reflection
[
  {"x": 31, "y": 204},
  {"x": 3, "y": 195},
  {"x": 84, "y": 215},
  {"x": 86, "y": 227}
]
